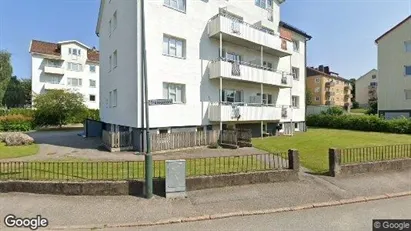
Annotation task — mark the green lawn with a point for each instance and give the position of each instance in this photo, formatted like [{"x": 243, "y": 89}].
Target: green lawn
[
  {"x": 17, "y": 151},
  {"x": 314, "y": 144},
  {"x": 84, "y": 170},
  {"x": 359, "y": 110}
]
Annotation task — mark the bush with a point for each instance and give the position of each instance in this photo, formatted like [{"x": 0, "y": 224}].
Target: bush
[
  {"x": 355, "y": 105},
  {"x": 16, "y": 123},
  {"x": 17, "y": 111},
  {"x": 360, "y": 123},
  {"x": 93, "y": 114},
  {"x": 333, "y": 111},
  {"x": 372, "y": 109}
]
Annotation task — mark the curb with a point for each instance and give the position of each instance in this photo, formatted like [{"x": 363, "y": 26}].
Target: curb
[{"x": 241, "y": 213}]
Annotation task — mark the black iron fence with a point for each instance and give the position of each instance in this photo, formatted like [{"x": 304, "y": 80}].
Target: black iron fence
[
  {"x": 133, "y": 170},
  {"x": 376, "y": 153}
]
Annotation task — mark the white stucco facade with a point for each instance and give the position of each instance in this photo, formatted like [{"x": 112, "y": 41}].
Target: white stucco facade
[
  {"x": 394, "y": 71},
  {"x": 66, "y": 71},
  {"x": 366, "y": 88},
  {"x": 197, "y": 69}
]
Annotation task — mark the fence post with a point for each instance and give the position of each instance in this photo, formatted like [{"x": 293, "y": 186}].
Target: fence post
[
  {"x": 334, "y": 157},
  {"x": 293, "y": 160}
]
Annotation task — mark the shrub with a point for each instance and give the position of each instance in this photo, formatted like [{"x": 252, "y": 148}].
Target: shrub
[
  {"x": 333, "y": 111},
  {"x": 17, "y": 111},
  {"x": 355, "y": 105},
  {"x": 372, "y": 109},
  {"x": 16, "y": 123},
  {"x": 361, "y": 123},
  {"x": 93, "y": 114}
]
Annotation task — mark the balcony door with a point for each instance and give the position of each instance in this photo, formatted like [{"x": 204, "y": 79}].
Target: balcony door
[
  {"x": 232, "y": 56},
  {"x": 232, "y": 96}
]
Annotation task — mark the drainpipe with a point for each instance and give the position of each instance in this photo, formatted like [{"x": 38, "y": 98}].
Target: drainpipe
[
  {"x": 261, "y": 96},
  {"x": 221, "y": 83},
  {"x": 291, "y": 99}
]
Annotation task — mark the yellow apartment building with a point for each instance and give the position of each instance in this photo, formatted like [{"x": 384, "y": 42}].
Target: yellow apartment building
[{"x": 328, "y": 88}]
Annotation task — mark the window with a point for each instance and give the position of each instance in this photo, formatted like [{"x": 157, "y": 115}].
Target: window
[
  {"x": 317, "y": 80},
  {"x": 92, "y": 98},
  {"x": 92, "y": 68},
  {"x": 295, "y": 100},
  {"x": 114, "y": 21},
  {"x": 407, "y": 70},
  {"x": 163, "y": 131},
  {"x": 74, "y": 51},
  {"x": 232, "y": 96},
  {"x": 110, "y": 63},
  {"x": 92, "y": 83},
  {"x": 267, "y": 98},
  {"x": 231, "y": 56},
  {"x": 74, "y": 82},
  {"x": 374, "y": 84},
  {"x": 407, "y": 94},
  {"x": 109, "y": 27},
  {"x": 407, "y": 46},
  {"x": 267, "y": 65},
  {"x": 260, "y": 3},
  {"x": 115, "y": 98},
  {"x": 337, "y": 82},
  {"x": 173, "y": 46},
  {"x": 175, "y": 92},
  {"x": 296, "y": 126},
  {"x": 110, "y": 99},
  {"x": 317, "y": 98},
  {"x": 74, "y": 67},
  {"x": 176, "y": 4},
  {"x": 296, "y": 46},
  {"x": 374, "y": 76},
  {"x": 317, "y": 89},
  {"x": 296, "y": 73},
  {"x": 115, "y": 59}
]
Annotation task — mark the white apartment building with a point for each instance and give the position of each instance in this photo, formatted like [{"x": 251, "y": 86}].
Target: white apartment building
[
  {"x": 210, "y": 65},
  {"x": 394, "y": 71},
  {"x": 366, "y": 88},
  {"x": 68, "y": 65}
]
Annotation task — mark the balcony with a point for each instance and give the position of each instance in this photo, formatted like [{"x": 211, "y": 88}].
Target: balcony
[
  {"x": 249, "y": 73},
  {"x": 348, "y": 87},
  {"x": 55, "y": 70},
  {"x": 348, "y": 96},
  {"x": 54, "y": 86},
  {"x": 330, "y": 84},
  {"x": 247, "y": 35},
  {"x": 329, "y": 93},
  {"x": 245, "y": 112}
]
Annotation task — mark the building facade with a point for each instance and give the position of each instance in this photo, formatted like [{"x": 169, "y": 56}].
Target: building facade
[
  {"x": 66, "y": 65},
  {"x": 328, "y": 88},
  {"x": 394, "y": 71},
  {"x": 366, "y": 88},
  {"x": 210, "y": 65}
]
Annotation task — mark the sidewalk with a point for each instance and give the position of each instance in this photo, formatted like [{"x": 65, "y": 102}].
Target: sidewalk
[{"x": 84, "y": 210}]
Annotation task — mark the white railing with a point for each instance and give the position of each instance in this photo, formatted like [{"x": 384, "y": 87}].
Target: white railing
[
  {"x": 250, "y": 73},
  {"x": 54, "y": 86},
  {"x": 54, "y": 69},
  {"x": 244, "y": 112},
  {"x": 252, "y": 33}
]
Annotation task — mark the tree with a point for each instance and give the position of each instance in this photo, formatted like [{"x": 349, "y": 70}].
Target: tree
[
  {"x": 58, "y": 107},
  {"x": 27, "y": 91},
  {"x": 6, "y": 71},
  {"x": 352, "y": 81},
  {"x": 308, "y": 97},
  {"x": 14, "y": 94},
  {"x": 372, "y": 108}
]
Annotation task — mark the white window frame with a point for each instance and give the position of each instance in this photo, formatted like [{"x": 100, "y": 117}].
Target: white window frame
[
  {"x": 110, "y": 60},
  {"x": 109, "y": 28},
  {"x": 317, "y": 89},
  {"x": 115, "y": 98},
  {"x": 266, "y": 98},
  {"x": 407, "y": 92},
  {"x": 317, "y": 80},
  {"x": 115, "y": 59},
  {"x": 226, "y": 95},
  {"x": 110, "y": 99},
  {"x": 266, "y": 64},
  {"x": 92, "y": 68},
  {"x": 77, "y": 67},
  {"x": 114, "y": 21},
  {"x": 168, "y": 3},
  {"x": 407, "y": 46},
  {"x": 405, "y": 70},
  {"x": 90, "y": 99},
  {"x": 92, "y": 81},
  {"x": 70, "y": 82},
  {"x": 171, "y": 43},
  {"x": 295, "y": 101},
  {"x": 170, "y": 91},
  {"x": 296, "y": 73},
  {"x": 296, "y": 45},
  {"x": 261, "y": 3}
]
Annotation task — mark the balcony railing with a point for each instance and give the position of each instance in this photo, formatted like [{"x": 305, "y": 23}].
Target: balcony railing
[
  {"x": 54, "y": 86},
  {"x": 249, "y": 72},
  {"x": 242, "y": 33},
  {"x": 330, "y": 84},
  {"x": 245, "y": 112},
  {"x": 54, "y": 69}
]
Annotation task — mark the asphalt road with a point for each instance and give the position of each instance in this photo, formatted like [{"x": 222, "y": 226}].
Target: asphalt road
[{"x": 347, "y": 217}]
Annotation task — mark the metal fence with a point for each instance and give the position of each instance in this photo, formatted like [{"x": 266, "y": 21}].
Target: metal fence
[
  {"x": 133, "y": 170},
  {"x": 376, "y": 153}
]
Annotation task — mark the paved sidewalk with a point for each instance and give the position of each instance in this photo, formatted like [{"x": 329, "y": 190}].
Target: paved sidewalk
[{"x": 86, "y": 210}]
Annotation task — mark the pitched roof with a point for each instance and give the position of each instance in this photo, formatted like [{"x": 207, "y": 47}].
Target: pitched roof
[
  {"x": 362, "y": 76},
  {"x": 313, "y": 72},
  {"x": 48, "y": 48},
  {"x": 295, "y": 29},
  {"x": 393, "y": 28}
]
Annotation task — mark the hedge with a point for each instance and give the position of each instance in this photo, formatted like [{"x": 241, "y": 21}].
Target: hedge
[
  {"x": 361, "y": 123},
  {"x": 16, "y": 123},
  {"x": 17, "y": 111}
]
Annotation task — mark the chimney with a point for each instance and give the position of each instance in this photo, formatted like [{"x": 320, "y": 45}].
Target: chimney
[
  {"x": 327, "y": 70},
  {"x": 321, "y": 68}
]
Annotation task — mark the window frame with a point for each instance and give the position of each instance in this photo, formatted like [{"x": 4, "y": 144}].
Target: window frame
[
  {"x": 114, "y": 26},
  {"x": 267, "y": 98},
  {"x": 296, "y": 45},
  {"x": 110, "y": 62},
  {"x": 317, "y": 89},
  {"x": 172, "y": 90},
  {"x": 317, "y": 80},
  {"x": 407, "y": 46},
  {"x": 78, "y": 80},
  {"x": 226, "y": 94},
  {"x": 405, "y": 94},
  {"x": 115, "y": 59},
  {"x": 92, "y": 67},
  {"x": 407, "y": 67},
  {"x": 89, "y": 98},
  {"x": 295, "y": 99},
  {"x": 172, "y": 43},
  {"x": 317, "y": 98},
  {"x": 95, "y": 83},
  {"x": 115, "y": 98},
  {"x": 296, "y": 75},
  {"x": 71, "y": 65},
  {"x": 260, "y": 3},
  {"x": 169, "y": 5}
]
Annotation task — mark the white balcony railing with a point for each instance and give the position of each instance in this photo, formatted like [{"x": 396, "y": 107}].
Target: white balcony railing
[
  {"x": 54, "y": 86},
  {"x": 238, "y": 31},
  {"x": 54, "y": 70},
  {"x": 245, "y": 112},
  {"x": 247, "y": 72}
]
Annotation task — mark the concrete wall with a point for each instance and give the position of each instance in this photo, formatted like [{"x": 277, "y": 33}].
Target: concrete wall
[
  {"x": 361, "y": 87},
  {"x": 391, "y": 74}
]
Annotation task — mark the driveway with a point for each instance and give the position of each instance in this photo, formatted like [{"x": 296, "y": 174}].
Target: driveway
[{"x": 68, "y": 145}]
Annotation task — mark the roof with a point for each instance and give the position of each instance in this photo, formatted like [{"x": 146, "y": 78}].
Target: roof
[
  {"x": 313, "y": 72},
  {"x": 395, "y": 27},
  {"x": 295, "y": 29},
  {"x": 49, "y": 48},
  {"x": 366, "y": 74}
]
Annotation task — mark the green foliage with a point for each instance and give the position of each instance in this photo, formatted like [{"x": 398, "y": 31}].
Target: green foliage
[
  {"x": 58, "y": 107},
  {"x": 308, "y": 97},
  {"x": 361, "y": 123},
  {"x": 333, "y": 111},
  {"x": 6, "y": 71},
  {"x": 17, "y": 111},
  {"x": 372, "y": 109},
  {"x": 355, "y": 105},
  {"x": 16, "y": 123},
  {"x": 93, "y": 114}
]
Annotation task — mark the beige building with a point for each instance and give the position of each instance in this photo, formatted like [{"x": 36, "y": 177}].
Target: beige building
[
  {"x": 394, "y": 71},
  {"x": 366, "y": 88},
  {"x": 328, "y": 88}
]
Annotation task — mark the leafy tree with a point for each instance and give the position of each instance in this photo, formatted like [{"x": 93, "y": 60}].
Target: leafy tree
[
  {"x": 352, "y": 81},
  {"x": 308, "y": 97},
  {"x": 6, "y": 71},
  {"x": 14, "y": 95},
  {"x": 355, "y": 105},
  {"x": 27, "y": 91},
  {"x": 372, "y": 108},
  {"x": 58, "y": 107}
]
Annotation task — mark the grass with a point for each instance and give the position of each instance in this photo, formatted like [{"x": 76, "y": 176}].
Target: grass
[
  {"x": 84, "y": 170},
  {"x": 17, "y": 151},
  {"x": 359, "y": 110},
  {"x": 313, "y": 145}
]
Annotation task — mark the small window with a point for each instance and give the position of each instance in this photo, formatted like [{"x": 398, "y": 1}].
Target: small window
[
  {"x": 296, "y": 46},
  {"x": 110, "y": 98},
  {"x": 74, "y": 82},
  {"x": 74, "y": 66},
  {"x": 296, "y": 73},
  {"x": 114, "y": 21},
  {"x": 92, "y": 98},
  {"x": 374, "y": 76},
  {"x": 115, "y": 59},
  {"x": 232, "y": 96},
  {"x": 175, "y": 92},
  {"x": 110, "y": 62},
  {"x": 109, "y": 27},
  {"x": 317, "y": 80},
  {"x": 317, "y": 98},
  {"x": 374, "y": 84},
  {"x": 267, "y": 65},
  {"x": 407, "y": 46},
  {"x": 261, "y": 3},
  {"x": 69, "y": 51},
  {"x": 407, "y": 94},
  {"x": 176, "y": 4},
  {"x": 92, "y": 83},
  {"x": 92, "y": 68},
  {"x": 267, "y": 98},
  {"x": 296, "y": 101},
  {"x": 163, "y": 131},
  {"x": 317, "y": 89},
  {"x": 115, "y": 98},
  {"x": 407, "y": 70},
  {"x": 173, "y": 46}
]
